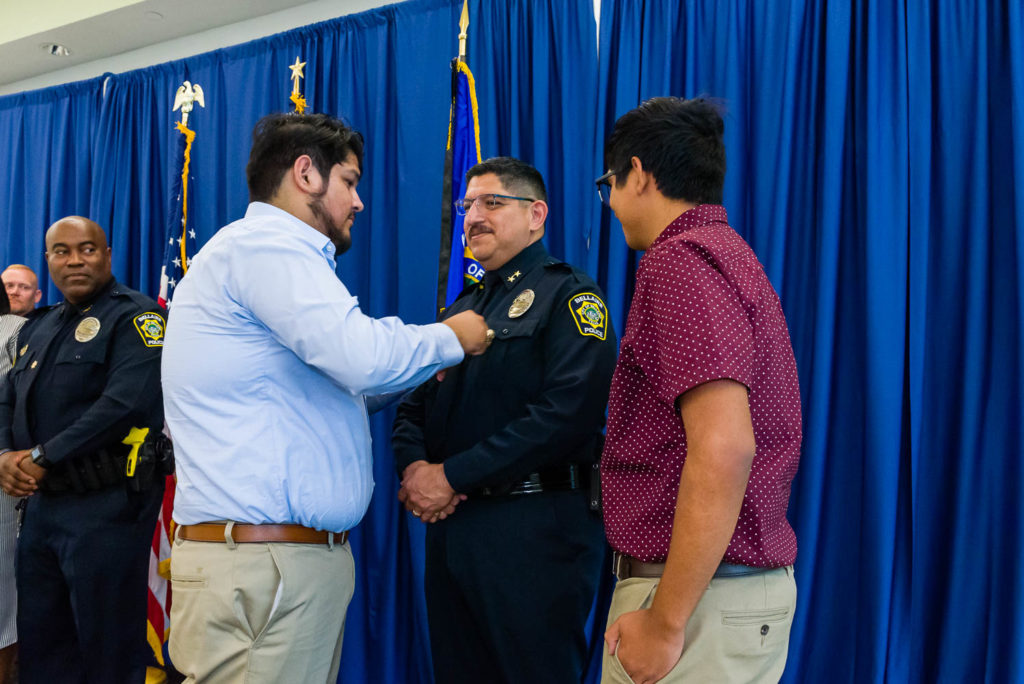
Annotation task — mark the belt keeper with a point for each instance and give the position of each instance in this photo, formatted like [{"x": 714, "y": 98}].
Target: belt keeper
[
  {"x": 330, "y": 541},
  {"x": 228, "y": 539}
]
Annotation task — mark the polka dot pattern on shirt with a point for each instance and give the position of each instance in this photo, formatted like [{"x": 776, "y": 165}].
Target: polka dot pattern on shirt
[{"x": 703, "y": 309}]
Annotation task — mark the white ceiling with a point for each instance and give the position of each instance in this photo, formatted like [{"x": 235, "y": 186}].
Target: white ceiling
[{"x": 94, "y": 30}]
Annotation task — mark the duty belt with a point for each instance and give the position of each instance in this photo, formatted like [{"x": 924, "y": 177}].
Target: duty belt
[
  {"x": 624, "y": 567},
  {"x": 561, "y": 478}
]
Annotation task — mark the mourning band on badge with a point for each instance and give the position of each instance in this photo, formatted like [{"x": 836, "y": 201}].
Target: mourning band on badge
[
  {"x": 87, "y": 329},
  {"x": 522, "y": 303},
  {"x": 590, "y": 315},
  {"x": 151, "y": 329}
]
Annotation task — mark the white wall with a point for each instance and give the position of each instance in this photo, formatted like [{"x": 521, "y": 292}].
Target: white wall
[{"x": 224, "y": 36}]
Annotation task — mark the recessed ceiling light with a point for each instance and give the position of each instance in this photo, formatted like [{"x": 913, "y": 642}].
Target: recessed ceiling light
[{"x": 56, "y": 50}]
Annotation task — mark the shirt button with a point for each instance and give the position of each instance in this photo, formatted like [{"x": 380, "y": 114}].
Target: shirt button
[
  {"x": 504, "y": 331},
  {"x": 764, "y": 629}
]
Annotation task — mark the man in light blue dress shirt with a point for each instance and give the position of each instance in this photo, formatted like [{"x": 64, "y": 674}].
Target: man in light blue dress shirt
[{"x": 266, "y": 368}]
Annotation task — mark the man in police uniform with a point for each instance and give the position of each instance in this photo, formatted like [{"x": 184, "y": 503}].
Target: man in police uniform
[
  {"x": 510, "y": 437},
  {"x": 82, "y": 398}
]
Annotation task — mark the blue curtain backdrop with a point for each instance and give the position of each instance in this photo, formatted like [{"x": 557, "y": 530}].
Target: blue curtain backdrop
[{"x": 876, "y": 165}]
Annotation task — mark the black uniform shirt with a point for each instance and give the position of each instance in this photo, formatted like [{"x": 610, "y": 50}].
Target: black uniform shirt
[
  {"x": 85, "y": 376},
  {"x": 536, "y": 398}
]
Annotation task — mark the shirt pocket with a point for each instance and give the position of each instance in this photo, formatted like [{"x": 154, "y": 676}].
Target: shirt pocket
[
  {"x": 82, "y": 366},
  {"x": 516, "y": 363}
]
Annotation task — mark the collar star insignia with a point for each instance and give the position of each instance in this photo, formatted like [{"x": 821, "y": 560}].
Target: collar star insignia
[{"x": 512, "y": 278}]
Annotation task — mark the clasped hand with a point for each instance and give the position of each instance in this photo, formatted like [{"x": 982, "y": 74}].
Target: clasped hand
[
  {"x": 19, "y": 476},
  {"x": 426, "y": 493}
]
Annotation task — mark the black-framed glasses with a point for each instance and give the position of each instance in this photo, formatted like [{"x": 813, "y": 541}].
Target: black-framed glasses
[
  {"x": 604, "y": 188},
  {"x": 489, "y": 202}
]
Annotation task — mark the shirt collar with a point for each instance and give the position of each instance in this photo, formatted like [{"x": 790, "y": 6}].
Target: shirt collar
[
  {"x": 69, "y": 309},
  {"x": 517, "y": 266},
  {"x": 700, "y": 215},
  {"x": 303, "y": 230}
]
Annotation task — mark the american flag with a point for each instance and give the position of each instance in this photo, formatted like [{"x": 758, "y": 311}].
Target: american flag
[
  {"x": 181, "y": 236},
  {"x": 178, "y": 251}
]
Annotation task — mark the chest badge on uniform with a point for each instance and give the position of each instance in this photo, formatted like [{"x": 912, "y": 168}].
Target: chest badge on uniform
[
  {"x": 590, "y": 315},
  {"x": 87, "y": 329},
  {"x": 151, "y": 329},
  {"x": 522, "y": 303}
]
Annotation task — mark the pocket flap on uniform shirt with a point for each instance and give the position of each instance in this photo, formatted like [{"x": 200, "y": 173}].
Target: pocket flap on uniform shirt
[
  {"x": 509, "y": 329},
  {"x": 82, "y": 352}
]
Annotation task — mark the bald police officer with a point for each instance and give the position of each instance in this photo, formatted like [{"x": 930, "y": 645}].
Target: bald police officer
[{"x": 83, "y": 396}]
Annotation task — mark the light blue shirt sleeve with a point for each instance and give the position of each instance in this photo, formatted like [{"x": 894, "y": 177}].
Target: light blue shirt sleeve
[{"x": 266, "y": 367}]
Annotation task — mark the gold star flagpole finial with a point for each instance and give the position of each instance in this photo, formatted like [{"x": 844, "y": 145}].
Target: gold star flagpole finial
[{"x": 297, "y": 99}]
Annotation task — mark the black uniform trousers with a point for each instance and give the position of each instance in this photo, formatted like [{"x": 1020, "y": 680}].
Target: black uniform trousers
[
  {"x": 82, "y": 576},
  {"x": 505, "y": 573}
]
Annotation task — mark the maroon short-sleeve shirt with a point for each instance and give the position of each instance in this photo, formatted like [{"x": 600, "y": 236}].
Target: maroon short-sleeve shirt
[{"x": 702, "y": 310}]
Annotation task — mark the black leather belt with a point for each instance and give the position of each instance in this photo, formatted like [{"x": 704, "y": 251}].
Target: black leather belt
[
  {"x": 624, "y": 567},
  {"x": 559, "y": 479}
]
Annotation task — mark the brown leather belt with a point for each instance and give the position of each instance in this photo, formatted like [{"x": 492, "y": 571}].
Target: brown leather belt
[
  {"x": 625, "y": 567},
  {"x": 242, "y": 533}
]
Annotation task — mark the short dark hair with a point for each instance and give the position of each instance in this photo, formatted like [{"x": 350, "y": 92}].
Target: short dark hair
[
  {"x": 279, "y": 139},
  {"x": 517, "y": 176},
  {"x": 678, "y": 141}
]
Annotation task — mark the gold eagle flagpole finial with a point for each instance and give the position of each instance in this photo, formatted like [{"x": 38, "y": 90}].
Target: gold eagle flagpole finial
[
  {"x": 187, "y": 96},
  {"x": 463, "y": 27},
  {"x": 297, "y": 99}
]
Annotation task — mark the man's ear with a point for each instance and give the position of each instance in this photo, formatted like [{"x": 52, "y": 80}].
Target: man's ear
[
  {"x": 538, "y": 214},
  {"x": 642, "y": 179},
  {"x": 304, "y": 175}
]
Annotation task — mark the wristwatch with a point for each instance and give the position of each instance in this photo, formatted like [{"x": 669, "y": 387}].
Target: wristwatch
[{"x": 38, "y": 456}]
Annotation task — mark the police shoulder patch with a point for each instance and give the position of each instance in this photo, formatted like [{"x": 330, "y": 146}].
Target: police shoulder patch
[
  {"x": 151, "y": 329},
  {"x": 590, "y": 314}
]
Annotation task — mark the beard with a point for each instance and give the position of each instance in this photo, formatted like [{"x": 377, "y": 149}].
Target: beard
[{"x": 342, "y": 241}]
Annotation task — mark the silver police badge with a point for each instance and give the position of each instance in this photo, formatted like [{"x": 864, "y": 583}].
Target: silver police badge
[
  {"x": 520, "y": 305},
  {"x": 87, "y": 329}
]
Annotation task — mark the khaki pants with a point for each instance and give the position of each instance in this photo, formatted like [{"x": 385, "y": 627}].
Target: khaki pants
[
  {"x": 739, "y": 631},
  {"x": 259, "y": 613}
]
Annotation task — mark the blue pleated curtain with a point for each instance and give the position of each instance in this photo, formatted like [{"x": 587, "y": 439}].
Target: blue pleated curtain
[{"x": 876, "y": 165}]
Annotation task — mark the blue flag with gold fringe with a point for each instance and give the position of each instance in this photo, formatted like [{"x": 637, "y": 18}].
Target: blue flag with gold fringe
[{"x": 458, "y": 268}]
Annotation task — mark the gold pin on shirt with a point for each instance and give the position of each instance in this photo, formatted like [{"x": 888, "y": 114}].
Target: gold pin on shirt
[
  {"x": 520, "y": 305},
  {"x": 87, "y": 329}
]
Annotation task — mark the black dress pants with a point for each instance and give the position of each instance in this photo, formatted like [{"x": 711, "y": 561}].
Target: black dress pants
[
  {"x": 509, "y": 584},
  {"x": 82, "y": 575}
]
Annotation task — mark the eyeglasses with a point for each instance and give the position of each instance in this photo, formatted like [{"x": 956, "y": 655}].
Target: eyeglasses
[
  {"x": 489, "y": 202},
  {"x": 604, "y": 188}
]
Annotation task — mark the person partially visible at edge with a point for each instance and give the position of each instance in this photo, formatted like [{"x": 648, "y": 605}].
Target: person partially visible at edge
[
  {"x": 78, "y": 409},
  {"x": 22, "y": 286},
  {"x": 9, "y": 326},
  {"x": 266, "y": 371},
  {"x": 704, "y": 424}
]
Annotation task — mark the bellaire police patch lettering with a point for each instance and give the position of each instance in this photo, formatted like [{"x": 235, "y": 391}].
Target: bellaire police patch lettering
[
  {"x": 590, "y": 315},
  {"x": 151, "y": 329}
]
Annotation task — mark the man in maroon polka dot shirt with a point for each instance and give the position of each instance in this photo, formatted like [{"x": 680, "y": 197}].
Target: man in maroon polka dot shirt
[{"x": 703, "y": 420}]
